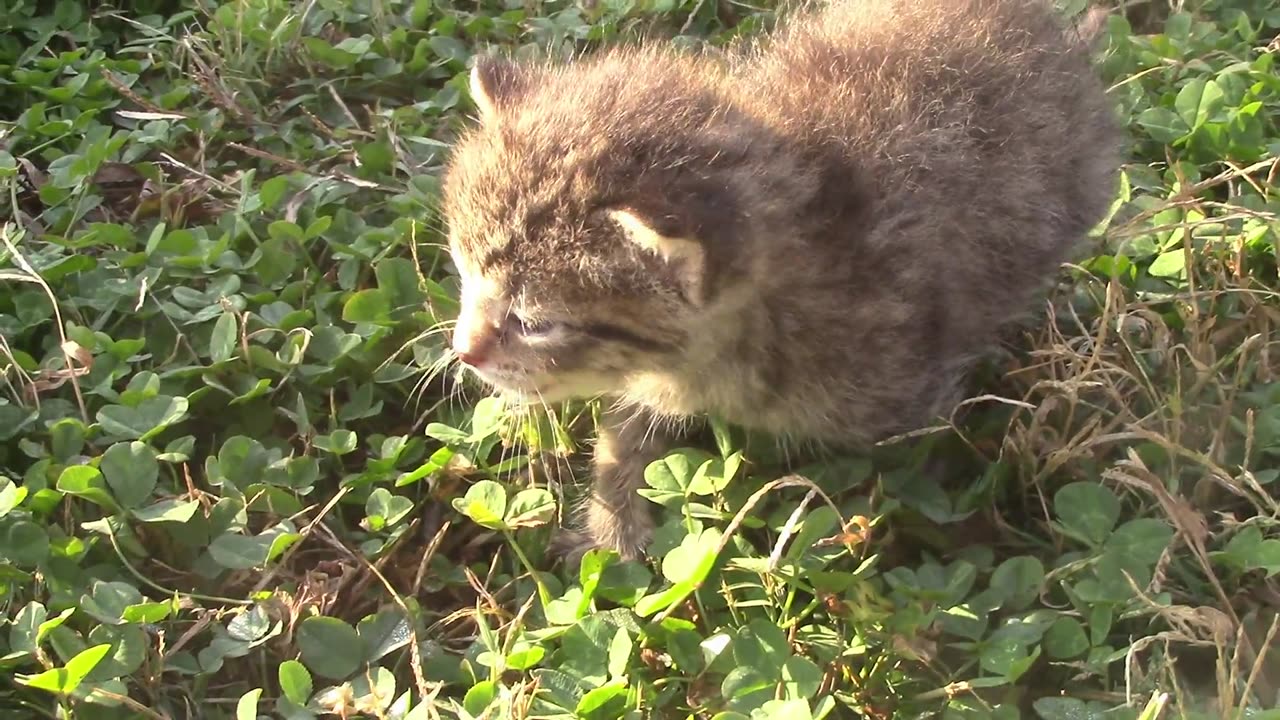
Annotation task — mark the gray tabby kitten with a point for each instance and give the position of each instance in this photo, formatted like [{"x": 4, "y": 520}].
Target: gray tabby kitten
[{"x": 812, "y": 238}]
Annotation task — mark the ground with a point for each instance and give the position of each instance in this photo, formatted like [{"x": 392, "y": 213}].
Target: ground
[{"x": 232, "y": 486}]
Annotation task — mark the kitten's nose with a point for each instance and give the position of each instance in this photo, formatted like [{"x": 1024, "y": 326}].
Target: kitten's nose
[
  {"x": 467, "y": 351},
  {"x": 469, "y": 356},
  {"x": 472, "y": 344}
]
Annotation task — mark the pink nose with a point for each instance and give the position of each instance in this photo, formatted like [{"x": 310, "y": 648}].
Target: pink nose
[
  {"x": 471, "y": 350},
  {"x": 470, "y": 357}
]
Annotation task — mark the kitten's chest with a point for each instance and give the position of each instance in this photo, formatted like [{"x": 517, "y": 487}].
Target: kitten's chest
[{"x": 728, "y": 394}]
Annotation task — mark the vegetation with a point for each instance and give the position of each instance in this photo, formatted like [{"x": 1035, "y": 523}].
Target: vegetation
[{"x": 235, "y": 483}]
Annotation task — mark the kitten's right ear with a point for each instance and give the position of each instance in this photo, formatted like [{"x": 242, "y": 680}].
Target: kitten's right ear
[
  {"x": 685, "y": 255},
  {"x": 495, "y": 84}
]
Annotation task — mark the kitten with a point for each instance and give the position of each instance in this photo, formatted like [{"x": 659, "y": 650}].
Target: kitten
[{"x": 813, "y": 238}]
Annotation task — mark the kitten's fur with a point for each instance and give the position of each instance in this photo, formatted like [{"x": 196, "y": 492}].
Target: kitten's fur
[{"x": 813, "y": 239}]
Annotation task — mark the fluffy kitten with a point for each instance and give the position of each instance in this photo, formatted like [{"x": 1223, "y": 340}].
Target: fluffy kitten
[{"x": 813, "y": 238}]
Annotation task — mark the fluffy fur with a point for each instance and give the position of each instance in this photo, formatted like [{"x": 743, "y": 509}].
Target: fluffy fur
[{"x": 812, "y": 238}]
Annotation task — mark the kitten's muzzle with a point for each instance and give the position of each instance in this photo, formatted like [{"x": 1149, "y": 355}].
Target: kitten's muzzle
[
  {"x": 473, "y": 349},
  {"x": 475, "y": 337},
  {"x": 472, "y": 355}
]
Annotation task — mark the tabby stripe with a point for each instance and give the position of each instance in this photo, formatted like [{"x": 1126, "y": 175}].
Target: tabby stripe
[
  {"x": 496, "y": 256},
  {"x": 617, "y": 333}
]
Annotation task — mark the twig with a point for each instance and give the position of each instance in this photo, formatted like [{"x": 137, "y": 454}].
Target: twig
[
  {"x": 57, "y": 314},
  {"x": 304, "y": 533}
]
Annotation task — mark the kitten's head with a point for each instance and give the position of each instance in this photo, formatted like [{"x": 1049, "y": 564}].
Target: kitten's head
[{"x": 592, "y": 218}]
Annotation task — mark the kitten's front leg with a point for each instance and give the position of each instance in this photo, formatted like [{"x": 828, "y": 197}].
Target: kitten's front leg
[{"x": 615, "y": 516}]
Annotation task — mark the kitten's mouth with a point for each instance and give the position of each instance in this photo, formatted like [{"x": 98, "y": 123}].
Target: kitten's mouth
[
  {"x": 541, "y": 390},
  {"x": 544, "y": 393},
  {"x": 520, "y": 389}
]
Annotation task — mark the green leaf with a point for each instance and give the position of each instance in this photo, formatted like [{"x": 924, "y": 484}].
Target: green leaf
[
  {"x": 670, "y": 477},
  {"x": 318, "y": 227},
  {"x": 295, "y": 681},
  {"x": 23, "y": 628},
  {"x": 250, "y": 626},
  {"x": 398, "y": 280},
  {"x": 784, "y": 710},
  {"x": 1008, "y": 656},
  {"x": 446, "y": 434},
  {"x": 449, "y": 48},
  {"x": 247, "y": 706},
  {"x": 338, "y": 442},
  {"x": 525, "y": 657},
  {"x": 1247, "y": 550},
  {"x": 586, "y": 648},
  {"x": 285, "y": 230},
  {"x": 485, "y": 503},
  {"x": 480, "y": 697},
  {"x": 131, "y": 470},
  {"x": 531, "y": 507},
  {"x": 606, "y": 702},
  {"x": 371, "y": 306},
  {"x": 25, "y": 544},
  {"x": 801, "y": 678},
  {"x": 278, "y": 260},
  {"x": 273, "y": 190},
  {"x": 487, "y": 418},
  {"x": 67, "y": 439},
  {"x": 128, "y": 651},
  {"x": 65, "y": 680},
  {"x": 1065, "y": 639},
  {"x": 172, "y": 510},
  {"x": 1198, "y": 101},
  {"x": 1169, "y": 264},
  {"x": 222, "y": 344},
  {"x": 624, "y": 583},
  {"x": 620, "y": 650},
  {"x": 86, "y": 482},
  {"x": 676, "y": 470},
  {"x": 11, "y": 496},
  {"x": 1142, "y": 540},
  {"x": 390, "y": 508},
  {"x": 695, "y": 552},
  {"x": 14, "y": 419},
  {"x": 241, "y": 552},
  {"x": 686, "y": 566},
  {"x": 746, "y": 688},
  {"x": 108, "y": 601},
  {"x": 330, "y": 648},
  {"x": 242, "y": 460},
  {"x": 1017, "y": 582},
  {"x": 148, "y": 419},
  {"x": 714, "y": 475},
  {"x": 1087, "y": 508},
  {"x": 384, "y": 633},
  {"x": 1163, "y": 125},
  {"x": 149, "y": 612}
]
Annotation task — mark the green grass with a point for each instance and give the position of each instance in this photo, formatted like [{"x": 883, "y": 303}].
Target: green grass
[{"x": 232, "y": 487}]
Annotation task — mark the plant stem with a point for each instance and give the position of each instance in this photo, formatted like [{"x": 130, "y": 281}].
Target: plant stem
[{"x": 543, "y": 594}]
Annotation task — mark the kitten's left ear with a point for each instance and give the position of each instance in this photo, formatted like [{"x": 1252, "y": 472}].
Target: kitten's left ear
[
  {"x": 685, "y": 255},
  {"x": 496, "y": 83}
]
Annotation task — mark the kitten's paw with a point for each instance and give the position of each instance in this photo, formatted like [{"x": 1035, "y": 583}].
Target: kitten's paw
[{"x": 570, "y": 545}]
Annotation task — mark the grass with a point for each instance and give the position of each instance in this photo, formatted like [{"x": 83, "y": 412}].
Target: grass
[{"x": 232, "y": 486}]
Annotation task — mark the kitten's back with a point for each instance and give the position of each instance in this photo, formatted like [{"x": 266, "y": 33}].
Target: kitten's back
[{"x": 985, "y": 115}]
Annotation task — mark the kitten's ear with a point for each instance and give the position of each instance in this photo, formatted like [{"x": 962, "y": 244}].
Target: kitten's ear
[
  {"x": 685, "y": 254},
  {"x": 495, "y": 84}
]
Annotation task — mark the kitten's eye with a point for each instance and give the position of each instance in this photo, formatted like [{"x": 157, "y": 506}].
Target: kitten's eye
[{"x": 531, "y": 328}]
